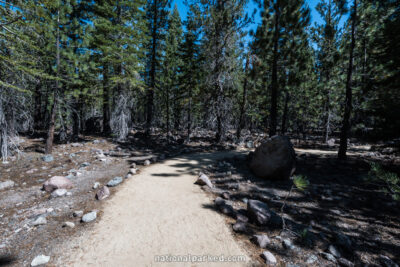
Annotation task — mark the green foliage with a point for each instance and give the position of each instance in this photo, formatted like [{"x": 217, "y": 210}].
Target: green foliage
[
  {"x": 301, "y": 182},
  {"x": 388, "y": 181}
]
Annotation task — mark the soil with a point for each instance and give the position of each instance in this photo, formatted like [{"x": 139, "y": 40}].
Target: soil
[{"x": 161, "y": 211}]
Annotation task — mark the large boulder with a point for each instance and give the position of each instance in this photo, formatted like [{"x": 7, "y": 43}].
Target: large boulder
[
  {"x": 273, "y": 159},
  {"x": 57, "y": 182}
]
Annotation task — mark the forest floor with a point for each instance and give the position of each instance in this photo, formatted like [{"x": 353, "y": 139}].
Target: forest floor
[{"x": 160, "y": 211}]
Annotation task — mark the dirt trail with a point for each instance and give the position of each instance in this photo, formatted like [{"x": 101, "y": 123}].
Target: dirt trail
[{"x": 158, "y": 212}]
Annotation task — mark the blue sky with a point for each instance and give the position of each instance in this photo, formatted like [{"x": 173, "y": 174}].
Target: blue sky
[{"x": 250, "y": 8}]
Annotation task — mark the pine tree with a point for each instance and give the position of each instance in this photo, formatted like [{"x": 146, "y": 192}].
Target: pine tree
[
  {"x": 327, "y": 38},
  {"x": 283, "y": 22},
  {"x": 223, "y": 24},
  {"x": 157, "y": 18},
  {"x": 172, "y": 63}
]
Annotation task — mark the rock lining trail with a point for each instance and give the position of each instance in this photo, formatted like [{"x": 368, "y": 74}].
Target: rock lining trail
[{"x": 157, "y": 212}]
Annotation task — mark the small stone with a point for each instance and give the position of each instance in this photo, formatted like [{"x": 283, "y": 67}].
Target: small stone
[
  {"x": 344, "y": 262},
  {"x": 204, "y": 180},
  {"x": 286, "y": 243},
  {"x": 312, "y": 259},
  {"x": 328, "y": 256},
  {"x": 132, "y": 171},
  {"x": 68, "y": 194},
  {"x": 387, "y": 262},
  {"x": 39, "y": 221},
  {"x": 40, "y": 260},
  {"x": 68, "y": 224},
  {"x": 6, "y": 184},
  {"x": 269, "y": 257},
  {"x": 261, "y": 240},
  {"x": 89, "y": 217},
  {"x": 146, "y": 162},
  {"x": 85, "y": 164},
  {"x": 48, "y": 158},
  {"x": 103, "y": 193},
  {"x": 225, "y": 195},
  {"x": 334, "y": 251},
  {"x": 78, "y": 213},
  {"x": 114, "y": 182},
  {"x": 49, "y": 210},
  {"x": 96, "y": 185},
  {"x": 57, "y": 182},
  {"x": 58, "y": 193},
  {"x": 239, "y": 227},
  {"x": 133, "y": 165}
]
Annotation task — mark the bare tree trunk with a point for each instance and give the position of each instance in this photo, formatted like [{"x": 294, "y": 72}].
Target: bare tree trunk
[
  {"x": 274, "y": 82},
  {"x": 167, "y": 111},
  {"x": 52, "y": 121},
  {"x": 244, "y": 99},
  {"x": 189, "y": 115},
  {"x": 348, "y": 104}
]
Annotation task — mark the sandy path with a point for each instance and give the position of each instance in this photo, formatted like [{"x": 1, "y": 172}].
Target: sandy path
[{"x": 158, "y": 212}]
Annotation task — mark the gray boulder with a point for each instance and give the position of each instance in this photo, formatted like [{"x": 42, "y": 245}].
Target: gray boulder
[
  {"x": 269, "y": 258},
  {"x": 89, "y": 217},
  {"x": 258, "y": 212},
  {"x": 273, "y": 159},
  {"x": 57, "y": 182},
  {"x": 103, "y": 193},
  {"x": 204, "y": 180},
  {"x": 261, "y": 240},
  {"x": 40, "y": 260},
  {"x": 114, "y": 182}
]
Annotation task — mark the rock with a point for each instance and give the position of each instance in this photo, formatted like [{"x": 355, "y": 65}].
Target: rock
[
  {"x": 287, "y": 244},
  {"x": 334, "y": 251},
  {"x": 31, "y": 171},
  {"x": 57, "y": 182},
  {"x": 241, "y": 217},
  {"x": 344, "y": 262},
  {"x": 40, "y": 260},
  {"x": 239, "y": 227},
  {"x": 76, "y": 144},
  {"x": 39, "y": 221},
  {"x": 114, "y": 182},
  {"x": 344, "y": 241},
  {"x": 258, "y": 212},
  {"x": 103, "y": 193},
  {"x": 132, "y": 171},
  {"x": 273, "y": 159},
  {"x": 58, "y": 193},
  {"x": 328, "y": 256},
  {"x": 85, "y": 164},
  {"x": 387, "y": 262},
  {"x": 146, "y": 162},
  {"x": 96, "y": 185},
  {"x": 78, "y": 213},
  {"x": 133, "y": 165},
  {"x": 68, "y": 224},
  {"x": 47, "y": 158},
  {"x": 6, "y": 184},
  {"x": 89, "y": 217},
  {"x": 250, "y": 144},
  {"x": 312, "y": 259},
  {"x": 261, "y": 240},
  {"x": 204, "y": 180},
  {"x": 269, "y": 258},
  {"x": 225, "y": 195},
  {"x": 331, "y": 142}
]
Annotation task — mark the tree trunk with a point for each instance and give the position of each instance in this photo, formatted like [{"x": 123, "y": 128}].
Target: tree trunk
[
  {"x": 274, "y": 82},
  {"x": 189, "y": 115},
  {"x": 285, "y": 113},
  {"x": 244, "y": 99},
  {"x": 52, "y": 121},
  {"x": 150, "y": 93},
  {"x": 37, "y": 115},
  {"x": 106, "y": 102},
  {"x": 348, "y": 104}
]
